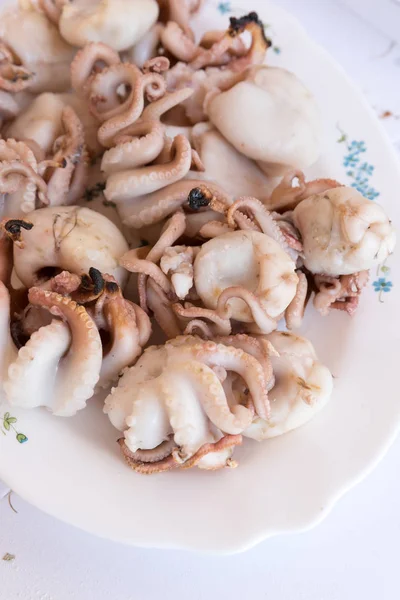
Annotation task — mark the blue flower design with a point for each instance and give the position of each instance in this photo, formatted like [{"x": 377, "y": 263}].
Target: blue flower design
[
  {"x": 382, "y": 285},
  {"x": 358, "y": 147},
  {"x": 367, "y": 169},
  {"x": 359, "y": 173},
  {"x": 351, "y": 160},
  {"x": 224, "y": 7}
]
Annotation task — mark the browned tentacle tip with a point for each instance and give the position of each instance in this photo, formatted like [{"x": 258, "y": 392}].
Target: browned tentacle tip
[
  {"x": 238, "y": 25},
  {"x": 13, "y": 229},
  {"x": 97, "y": 280},
  {"x": 199, "y": 197},
  {"x": 112, "y": 287}
]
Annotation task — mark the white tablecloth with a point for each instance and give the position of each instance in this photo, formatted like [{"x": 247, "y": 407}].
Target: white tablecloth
[{"x": 353, "y": 554}]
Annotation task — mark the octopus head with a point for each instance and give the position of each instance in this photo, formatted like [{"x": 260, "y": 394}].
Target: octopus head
[
  {"x": 249, "y": 261},
  {"x": 67, "y": 238},
  {"x": 271, "y": 117},
  {"x": 118, "y": 23},
  {"x": 302, "y": 387},
  {"x": 343, "y": 232}
]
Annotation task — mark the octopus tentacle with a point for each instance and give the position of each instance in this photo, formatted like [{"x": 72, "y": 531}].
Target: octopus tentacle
[
  {"x": 178, "y": 43},
  {"x": 188, "y": 389},
  {"x": 135, "y": 262},
  {"x": 146, "y": 468},
  {"x": 233, "y": 359},
  {"x": 265, "y": 220},
  {"x": 199, "y": 327},
  {"x": 126, "y": 185},
  {"x": 82, "y": 363},
  {"x": 222, "y": 324},
  {"x": 35, "y": 366},
  {"x": 152, "y": 208},
  {"x": 213, "y": 229},
  {"x": 174, "y": 228},
  {"x": 259, "y": 314},
  {"x": 158, "y": 108},
  {"x": 67, "y": 183},
  {"x": 136, "y": 145},
  {"x": 143, "y": 324},
  {"x": 295, "y": 311},
  {"x": 261, "y": 349},
  {"x": 160, "y": 306},
  {"x": 83, "y": 67},
  {"x": 125, "y": 347},
  {"x": 13, "y": 77},
  {"x": 227, "y": 442},
  {"x": 9, "y": 183},
  {"x": 104, "y": 104},
  {"x": 155, "y": 455},
  {"x": 287, "y": 196},
  {"x": 341, "y": 292}
]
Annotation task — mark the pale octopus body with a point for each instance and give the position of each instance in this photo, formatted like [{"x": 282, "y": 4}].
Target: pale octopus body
[
  {"x": 173, "y": 398},
  {"x": 278, "y": 117},
  {"x": 40, "y": 48},
  {"x": 64, "y": 361},
  {"x": 343, "y": 232},
  {"x": 302, "y": 387},
  {"x": 69, "y": 238},
  {"x": 118, "y": 23}
]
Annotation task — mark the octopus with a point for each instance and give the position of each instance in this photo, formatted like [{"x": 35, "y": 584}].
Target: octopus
[
  {"x": 202, "y": 235},
  {"x": 22, "y": 188},
  {"x": 44, "y": 57},
  {"x": 61, "y": 361},
  {"x": 70, "y": 238},
  {"x": 342, "y": 232},
  {"x": 243, "y": 276},
  {"x": 172, "y": 408},
  {"x": 40, "y": 124},
  {"x": 117, "y": 23},
  {"x": 302, "y": 387},
  {"x": 78, "y": 333},
  {"x": 217, "y": 63},
  {"x": 265, "y": 95}
]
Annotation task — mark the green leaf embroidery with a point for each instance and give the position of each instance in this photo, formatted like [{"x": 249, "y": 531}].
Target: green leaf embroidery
[
  {"x": 12, "y": 420},
  {"x": 6, "y": 416},
  {"x": 6, "y": 425},
  {"x": 21, "y": 438},
  {"x": 385, "y": 269}
]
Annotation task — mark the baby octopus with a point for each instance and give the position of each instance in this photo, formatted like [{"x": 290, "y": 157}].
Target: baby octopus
[
  {"x": 63, "y": 358},
  {"x": 172, "y": 408}
]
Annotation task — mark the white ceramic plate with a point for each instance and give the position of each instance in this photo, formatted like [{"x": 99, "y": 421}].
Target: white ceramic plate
[{"x": 72, "y": 468}]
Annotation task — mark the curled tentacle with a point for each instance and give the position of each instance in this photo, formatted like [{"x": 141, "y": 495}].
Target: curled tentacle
[
  {"x": 222, "y": 323},
  {"x": 295, "y": 311},
  {"x": 126, "y": 337},
  {"x": 173, "y": 229},
  {"x": 66, "y": 183},
  {"x": 258, "y": 312},
  {"x": 85, "y": 64},
  {"x": 105, "y": 103},
  {"x": 126, "y": 185},
  {"x": 262, "y": 216},
  {"x": 135, "y": 261},
  {"x": 152, "y": 208},
  {"x": 160, "y": 306},
  {"x": 82, "y": 363},
  {"x": 13, "y": 175}
]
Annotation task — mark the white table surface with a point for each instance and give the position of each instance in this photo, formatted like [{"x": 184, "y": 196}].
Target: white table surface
[{"x": 354, "y": 553}]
